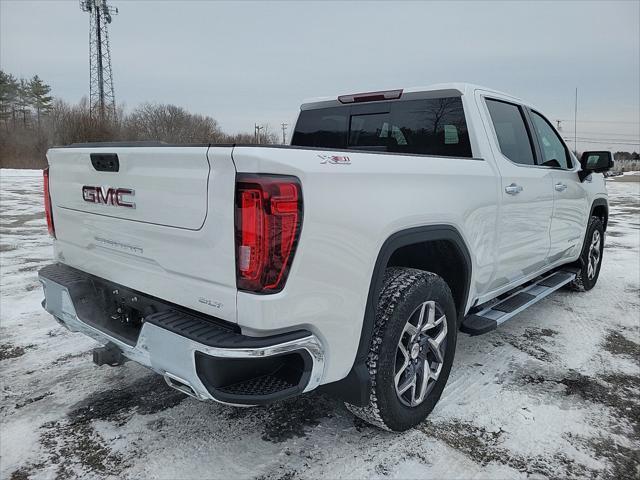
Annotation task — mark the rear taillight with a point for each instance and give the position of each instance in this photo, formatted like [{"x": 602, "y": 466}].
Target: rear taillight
[
  {"x": 47, "y": 203},
  {"x": 268, "y": 216}
]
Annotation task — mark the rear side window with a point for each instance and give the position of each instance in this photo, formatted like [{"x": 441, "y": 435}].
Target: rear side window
[
  {"x": 513, "y": 137},
  {"x": 427, "y": 127},
  {"x": 325, "y": 127}
]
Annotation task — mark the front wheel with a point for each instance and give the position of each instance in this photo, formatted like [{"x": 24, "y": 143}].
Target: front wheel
[
  {"x": 412, "y": 349},
  {"x": 590, "y": 257}
]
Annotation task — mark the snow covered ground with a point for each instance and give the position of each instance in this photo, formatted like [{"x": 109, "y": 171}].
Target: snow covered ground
[{"x": 555, "y": 392}]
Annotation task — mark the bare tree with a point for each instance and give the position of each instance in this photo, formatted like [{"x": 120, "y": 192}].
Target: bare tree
[
  {"x": 24, "y": 145},
  {"x": 172, "y": 124},
  {"x": 75, "y": 124}
]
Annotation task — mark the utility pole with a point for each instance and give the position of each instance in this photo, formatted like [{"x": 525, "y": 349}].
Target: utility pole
[
  {"x": 575, "y": 125},
  {"x": 101, "y": 95},
  {"x": 284, "y": 133},
  {"x": 257, "y": 129}
]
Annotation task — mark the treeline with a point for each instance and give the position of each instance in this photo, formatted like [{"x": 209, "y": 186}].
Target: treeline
[
  {"x": 32, "y": 120},
  {"x": 626, "y": 161},
  {"x": 635, "y": 156}
]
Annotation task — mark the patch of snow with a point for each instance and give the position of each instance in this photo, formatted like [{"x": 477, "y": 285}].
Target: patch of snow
[
  {"x": 545, "y": 395},
  {"x": 20, "y": 172}
]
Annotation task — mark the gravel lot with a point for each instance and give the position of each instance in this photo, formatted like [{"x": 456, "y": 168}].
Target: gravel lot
[{"x": 555, "y": 392}]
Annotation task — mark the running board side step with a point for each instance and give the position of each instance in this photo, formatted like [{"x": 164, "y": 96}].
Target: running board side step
[{"x": 490, "y": 317}]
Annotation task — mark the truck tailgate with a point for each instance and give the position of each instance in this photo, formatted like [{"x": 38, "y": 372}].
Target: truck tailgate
[
  {"x": 161, "y": 224},
  {"x": 169, "y": 184}
]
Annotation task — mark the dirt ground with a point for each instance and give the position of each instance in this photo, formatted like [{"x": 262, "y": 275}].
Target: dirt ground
[{"x": 555, "y": 392}]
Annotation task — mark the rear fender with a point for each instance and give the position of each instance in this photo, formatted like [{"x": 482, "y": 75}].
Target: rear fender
[{"x": 355, "y": 387}]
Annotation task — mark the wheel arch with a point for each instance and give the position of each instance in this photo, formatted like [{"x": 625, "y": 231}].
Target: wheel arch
[
  {"x": 600, "y": 209},
  {"x": 413, "y": 247}
]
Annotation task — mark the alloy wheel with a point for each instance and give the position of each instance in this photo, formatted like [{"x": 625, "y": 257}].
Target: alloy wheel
[
  {"x": 420, "y": 353},
  {"x": 594, "y": 255}
]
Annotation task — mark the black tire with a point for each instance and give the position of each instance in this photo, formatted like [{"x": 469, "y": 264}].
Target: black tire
[
  {"x": 586, "y": 279},
  {"x": 405, "y": 291}
]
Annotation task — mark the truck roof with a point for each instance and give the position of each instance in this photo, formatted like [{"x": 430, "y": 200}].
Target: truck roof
[{"x": 453, "y": 89}]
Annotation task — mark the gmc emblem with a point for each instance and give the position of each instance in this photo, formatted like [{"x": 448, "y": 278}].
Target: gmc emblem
[{"x": 108, "y": 196}]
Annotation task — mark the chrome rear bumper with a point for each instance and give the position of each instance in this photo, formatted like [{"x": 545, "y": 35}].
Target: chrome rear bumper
[{"x": 174, "y": 355}]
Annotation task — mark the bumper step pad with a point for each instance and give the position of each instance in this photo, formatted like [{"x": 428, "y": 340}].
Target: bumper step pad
[
  {"x": 258, "y": 387},
  {"x": 488, "y": 319},
  {"x": 211, "y": 334}
]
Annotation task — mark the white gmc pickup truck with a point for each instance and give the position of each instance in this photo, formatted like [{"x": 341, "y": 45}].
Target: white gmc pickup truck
[{"x": 347, "y": 261}]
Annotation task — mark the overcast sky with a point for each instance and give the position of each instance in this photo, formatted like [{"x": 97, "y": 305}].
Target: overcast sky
[{"x": 245, "y": 62}]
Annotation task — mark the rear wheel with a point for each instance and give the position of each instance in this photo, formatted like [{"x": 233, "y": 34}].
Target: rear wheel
[
  {"x": 412, "y": 349},
  {"x": 591, "y": 257}
]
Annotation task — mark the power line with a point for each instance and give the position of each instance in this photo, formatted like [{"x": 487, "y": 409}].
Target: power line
[
  {"x": 604, "y": 139},
  {"x": 602, "y": 142},
  {"x": 606, "y": 134},
  {"x": 601, "y": 121}
]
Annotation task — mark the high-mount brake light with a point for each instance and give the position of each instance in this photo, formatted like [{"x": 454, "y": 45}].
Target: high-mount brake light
[
  {"x": 47, "y": 203},
  {"x": 268, "y": 219},
  {"x": 371, "y": 96}
]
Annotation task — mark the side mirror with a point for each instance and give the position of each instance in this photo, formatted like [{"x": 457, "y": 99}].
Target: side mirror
[{"x": 595, "y": 162}]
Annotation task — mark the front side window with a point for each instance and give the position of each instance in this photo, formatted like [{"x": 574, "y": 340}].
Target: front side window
[
  {"x": 429, "y": 127},
  {"x": 513, "y": 137},
  {"x": 554, "y": 153}
]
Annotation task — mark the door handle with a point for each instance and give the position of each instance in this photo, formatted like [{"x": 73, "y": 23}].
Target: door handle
[
  {"x": 560, "y": 187},
  {"x": 513, "y": 189}
]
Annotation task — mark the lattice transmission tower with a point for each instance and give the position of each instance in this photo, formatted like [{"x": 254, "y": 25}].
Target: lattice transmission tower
[{"x": 102, "y": 100}]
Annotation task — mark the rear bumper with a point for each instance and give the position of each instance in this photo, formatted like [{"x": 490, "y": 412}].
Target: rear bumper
[{"x": 193, "y": 353}]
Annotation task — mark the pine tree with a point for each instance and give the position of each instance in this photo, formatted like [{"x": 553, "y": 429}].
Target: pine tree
[
  {"x": 8, "y": 96},
  {"x": 39, "y": 95},
  {"x": 24, "y": 100}
]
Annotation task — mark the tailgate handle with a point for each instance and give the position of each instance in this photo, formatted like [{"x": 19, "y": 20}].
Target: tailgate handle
[{"x": 105, "y": 162}]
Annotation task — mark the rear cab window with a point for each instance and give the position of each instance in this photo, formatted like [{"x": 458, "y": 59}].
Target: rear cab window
[{"x": 435, "y": 126}]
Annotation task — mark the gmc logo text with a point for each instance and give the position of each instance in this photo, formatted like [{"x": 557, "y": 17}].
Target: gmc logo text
[{"x": 108, "y": 196}]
